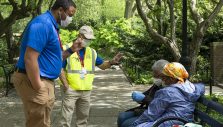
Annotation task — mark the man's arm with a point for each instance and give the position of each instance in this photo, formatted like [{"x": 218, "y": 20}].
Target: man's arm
[
  {"x": 63, "y": 79},
  {"x": 67, "y": 53},
  {"x": 108, "y": 64},
  {"x": 32, "y": 68}
]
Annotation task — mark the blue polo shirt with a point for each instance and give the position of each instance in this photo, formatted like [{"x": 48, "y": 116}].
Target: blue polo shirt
[
  {"x": 42, "y": 36},
  {"x": 98, "y": 61}
]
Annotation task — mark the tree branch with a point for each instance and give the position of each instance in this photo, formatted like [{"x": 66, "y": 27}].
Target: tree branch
[
  {"x": 1, "y": 17},
  {"x": 18, "y": 13},
  {"x": 23, "y": 4},
  {"x": 39, "y": 7},
  {"x": 172, "y": 20},
  {"x": 216, "y": 10},
  {"x": 214, "y": 1},
  {"x": 155, "y": 36},
  {"x": 195, "y": 15},
  {"x": 205, "y": 24},
  {"x": 133, "y": 10},
  {"x": 148, "y": 5},
  {"x": 51, "y": 3},
  {"x": 149, "y": 28},
  {"x": 5, "y": 3},
  {"x": 14, "y": 4},
  {"x": 6, "y": 23}
]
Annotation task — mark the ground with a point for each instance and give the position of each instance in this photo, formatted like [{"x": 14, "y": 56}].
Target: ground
[{"x": 111, "y": 94}]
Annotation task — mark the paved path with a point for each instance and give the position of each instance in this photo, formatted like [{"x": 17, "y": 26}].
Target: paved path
[{"x": 111, "y": 95}]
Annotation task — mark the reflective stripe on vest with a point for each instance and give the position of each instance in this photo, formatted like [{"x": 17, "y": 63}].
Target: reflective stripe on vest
[{"x": 74, "y": 68}]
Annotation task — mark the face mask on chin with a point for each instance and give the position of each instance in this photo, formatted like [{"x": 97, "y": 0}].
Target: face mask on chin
[
  {"x": 157, "y": 81},
  {"x": 66, "y": 22}
]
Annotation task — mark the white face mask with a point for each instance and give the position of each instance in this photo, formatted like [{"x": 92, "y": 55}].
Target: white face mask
[
  {"x": 85, "y": 42},
  {"x": 66, "y": 22},
  {"x": 163, "y": 84},
  {"x": 157, "y": 81}
]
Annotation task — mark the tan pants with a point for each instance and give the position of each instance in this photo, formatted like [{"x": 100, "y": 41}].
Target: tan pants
[
  {"x": 71, "y": 100},
  {"x": 37, "y": 104}
]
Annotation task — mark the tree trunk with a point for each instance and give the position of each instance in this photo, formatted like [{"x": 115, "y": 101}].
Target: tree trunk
[
  {"x": 19, "y": 12},
  {"x": 159, "y": 18},
  {"x": 9, "y": 41},
  {"x": 128, "y": 8},
  {"x": 202, "y": 26},
  {"x": 7, "y": 23},
  {"x": 133, "y": 10},
  {"x": 172, "y": 20},
  {"x": 195, "y": 47}
]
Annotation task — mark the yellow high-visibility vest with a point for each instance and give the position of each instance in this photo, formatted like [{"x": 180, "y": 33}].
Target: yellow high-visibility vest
[{"x": 74, "y": 68}]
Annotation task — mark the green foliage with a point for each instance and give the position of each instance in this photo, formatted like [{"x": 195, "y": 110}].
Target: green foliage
[
  {"x": 212, "y": 113},
  {"x": 130, "y": 37},
  {"x": 144, "y": 79},
  {"x": 109, "y": 35},
  {"x": 113, "y": 9},
  {"x": 3, "y": 55},
  {"x": 67, "y": 36},
  {"x": 3, "y": 52},
  {"x": 138, "y": 77},
  {"x": 113, "y": 33},
  {"x": 96, "y": 10},
  {"x": 5, "y": 9},
  {"x": 203, "y": 70},
  {"x": 86, "y": 10}
]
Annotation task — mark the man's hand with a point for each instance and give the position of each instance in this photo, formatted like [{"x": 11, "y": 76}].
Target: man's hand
[
  {"x": 77, "y": 45},
  {"x": 39, "y": 86},
  {"x": 116, "y": 59},
  {"x": 65, "y": 87}
]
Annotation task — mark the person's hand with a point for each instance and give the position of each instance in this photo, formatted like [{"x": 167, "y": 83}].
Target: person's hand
[
  {"x": 137, "y": 96},
  {"x": 38, "y": 86},
  {"x": 77, "y": 45},
  {"x": 65, "y": 87},
  {"x": 116, "y": 59}
]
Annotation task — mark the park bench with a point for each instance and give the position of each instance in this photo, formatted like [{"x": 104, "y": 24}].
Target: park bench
[
  {"x": 8, "y": 69},
  {"x": 202, "y": 114}
]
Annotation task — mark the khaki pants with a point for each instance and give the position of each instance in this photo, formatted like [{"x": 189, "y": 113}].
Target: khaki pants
[
  {"x": 37, "y": 104},
  {"x": 71, "y": 100}
]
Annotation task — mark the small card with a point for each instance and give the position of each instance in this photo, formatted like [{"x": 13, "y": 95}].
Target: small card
[{"x": 83, "y": 72}]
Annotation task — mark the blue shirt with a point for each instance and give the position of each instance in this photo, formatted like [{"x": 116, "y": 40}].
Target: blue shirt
[
  {"x": 98, "y": 61},
  {"x": 41, "y": 34}
]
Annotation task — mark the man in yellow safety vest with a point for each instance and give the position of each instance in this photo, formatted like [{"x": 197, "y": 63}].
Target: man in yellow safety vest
[{"x": 77, "y": 78}]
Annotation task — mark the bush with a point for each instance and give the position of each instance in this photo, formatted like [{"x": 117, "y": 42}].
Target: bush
[
  {"x": 129, "y": 37},
  {"x": 67, "y": 36},
  {"x": 212, "y": 113},
  {"x": 203, "y": 70}
]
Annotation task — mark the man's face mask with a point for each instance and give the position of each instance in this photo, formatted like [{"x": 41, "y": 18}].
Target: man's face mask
[
  {"x": 85, "y": 42},
  {"x": 66, "y": 22}
]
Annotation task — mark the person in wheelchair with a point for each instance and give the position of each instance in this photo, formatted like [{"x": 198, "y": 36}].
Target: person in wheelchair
[
  {"x": 146, "y": 97},
  {"x": 176, "y": 99}
]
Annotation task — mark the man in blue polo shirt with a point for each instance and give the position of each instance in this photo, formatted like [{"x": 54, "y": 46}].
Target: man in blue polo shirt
[{"x": 40, "y": 62}]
